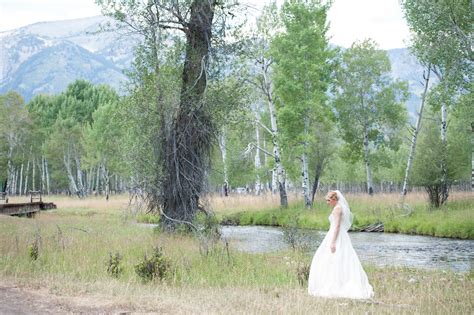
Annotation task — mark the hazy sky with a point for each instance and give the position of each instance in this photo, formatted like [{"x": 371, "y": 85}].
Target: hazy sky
[{"x": 381, "y": 20}]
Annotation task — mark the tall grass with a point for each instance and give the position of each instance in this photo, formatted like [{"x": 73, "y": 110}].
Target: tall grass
[{"x": 74, "y": 247}]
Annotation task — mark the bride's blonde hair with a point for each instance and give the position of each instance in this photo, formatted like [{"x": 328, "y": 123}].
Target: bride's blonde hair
[{"x": 332, "y": 195}]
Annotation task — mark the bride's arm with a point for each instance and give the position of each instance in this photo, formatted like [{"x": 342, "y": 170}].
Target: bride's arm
[{"x": 337, "y": 212}]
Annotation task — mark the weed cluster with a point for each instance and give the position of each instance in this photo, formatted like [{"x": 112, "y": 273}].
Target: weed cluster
[
  {"x": 113, "y": 266},
  {"x": 156, "y": 267}
]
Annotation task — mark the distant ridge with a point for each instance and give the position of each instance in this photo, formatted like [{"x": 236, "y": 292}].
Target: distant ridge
[{"x": 46, "y": 56}]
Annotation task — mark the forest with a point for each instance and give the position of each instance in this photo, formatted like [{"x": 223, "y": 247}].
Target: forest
[
  {"x": 212, "y": 106},
  {"x": 204, "y": 186}
]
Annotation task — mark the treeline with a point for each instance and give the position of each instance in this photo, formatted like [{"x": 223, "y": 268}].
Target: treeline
[
  {"x": 63, "y": 143},
  {"x": 282, "y": 109}
]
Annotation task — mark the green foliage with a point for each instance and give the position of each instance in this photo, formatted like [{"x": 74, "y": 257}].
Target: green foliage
[
  {"x": 113, "y": 265},
  {"x": 148, "y": 218},
  {"x": 367, "y": 101},
  {"x": 302, "y": 73},
  {"x": 33, "y": 251},
  {"x": 440, "y": 36},
  {"x": 157, "y": 267},
  {"x": 431, "y": 154}
]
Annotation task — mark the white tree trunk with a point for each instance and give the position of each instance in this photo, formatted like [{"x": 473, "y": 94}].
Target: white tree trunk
[
  {"x": 33, "y": 179},
  {"x": 9, "y": 169},
  {"x": 20, "y": 190},
  {"x": 223, "y": 148},
  {"x": 90, "y": 180},
  {"x": 257, "y": 163},
  {"x": 106, "y": 180},
  {"x": 26, "y": 177},
  {"x": 43, "y": 175},
  {"x": 281, "y": 174},
  {"x": 370, "y": 188},
  {"x": 80, "y": 185},
  {"x": 97, "y": 180},
  {"x": 472, "y": 156},
  {"x": 411, "y": 155},
  {"x": 444, "y": 125},
  {"x": 47, "y": 177},
  {"x": 304, "y": 173},
  {"x": 72, "y": 181},
  {"x": 14, "y": 180}
]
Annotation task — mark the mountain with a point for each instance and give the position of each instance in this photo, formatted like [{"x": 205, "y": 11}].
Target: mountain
[
  {"x": 45, "y": 57},
  {"x": 407, "y": 68}
]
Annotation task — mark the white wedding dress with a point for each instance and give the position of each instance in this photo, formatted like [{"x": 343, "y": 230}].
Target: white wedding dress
[{"x": 339, "y": 274}]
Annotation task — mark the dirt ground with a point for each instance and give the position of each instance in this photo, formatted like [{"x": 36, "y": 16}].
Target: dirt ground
[{"x": 15, "y": 299}]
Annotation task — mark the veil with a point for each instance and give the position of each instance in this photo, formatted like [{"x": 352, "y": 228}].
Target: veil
[{"x": 347, "y": 217}]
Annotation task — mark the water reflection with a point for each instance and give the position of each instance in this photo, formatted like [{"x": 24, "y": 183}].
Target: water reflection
[{"x": 381, "y": 249}]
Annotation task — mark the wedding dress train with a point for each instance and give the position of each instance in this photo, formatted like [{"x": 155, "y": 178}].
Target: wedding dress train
[{"x": 339, "y": 274}]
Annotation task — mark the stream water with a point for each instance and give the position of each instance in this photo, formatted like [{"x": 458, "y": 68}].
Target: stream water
[{"x": 381, "y": 249}]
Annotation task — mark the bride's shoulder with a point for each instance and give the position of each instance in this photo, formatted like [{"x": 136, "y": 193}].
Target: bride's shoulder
[{"x": 337, "y": 210}]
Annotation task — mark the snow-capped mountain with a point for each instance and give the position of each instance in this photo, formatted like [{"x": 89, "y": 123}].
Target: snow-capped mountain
[{"x": 45, "y": 57}]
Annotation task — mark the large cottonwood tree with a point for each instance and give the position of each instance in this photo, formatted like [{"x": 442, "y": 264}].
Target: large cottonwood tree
[{"x": 187, "y": 134}]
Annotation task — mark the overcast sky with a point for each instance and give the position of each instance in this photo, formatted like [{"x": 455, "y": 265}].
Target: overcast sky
[{"x": 381, "y": 20}]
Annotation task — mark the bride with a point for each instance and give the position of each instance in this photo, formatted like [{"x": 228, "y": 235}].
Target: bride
[{"x": 336, "y": 270}]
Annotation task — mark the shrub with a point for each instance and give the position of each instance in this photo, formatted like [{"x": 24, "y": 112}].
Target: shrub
[
  {"x": 302, "y": 272},
  {"x": 113, "y": 267},
  {"x": 33, "y": 250},
  {"x": 155, "y": 267}
]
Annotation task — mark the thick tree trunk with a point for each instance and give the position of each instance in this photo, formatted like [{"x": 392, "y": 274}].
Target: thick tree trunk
[
  {"x": 187, "y": 148},
  {"x": 368, "y": 168},
  {"x": 411, "y": 155}
]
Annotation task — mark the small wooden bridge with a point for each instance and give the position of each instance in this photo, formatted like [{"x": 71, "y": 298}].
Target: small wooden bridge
[{"x": 29, "y": 209}]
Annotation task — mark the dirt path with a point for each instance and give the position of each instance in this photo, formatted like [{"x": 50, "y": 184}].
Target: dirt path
[{"x": 19, "y": 300}]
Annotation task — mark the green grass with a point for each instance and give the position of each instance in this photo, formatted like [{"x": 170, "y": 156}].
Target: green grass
[
  {"x": 455, "y": 219},
  {"x": 74, "y": 247}
]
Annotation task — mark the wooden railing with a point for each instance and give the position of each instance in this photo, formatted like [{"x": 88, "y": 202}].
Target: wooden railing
[
  {"x": 35, "y": 195},
  {"x": 4, "y": 196}
]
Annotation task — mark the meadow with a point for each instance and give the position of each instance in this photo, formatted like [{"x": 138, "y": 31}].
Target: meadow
[{"x": 68, "y": 251}]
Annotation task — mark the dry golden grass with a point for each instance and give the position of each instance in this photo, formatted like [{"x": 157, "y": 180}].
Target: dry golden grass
[
  {"x": 397, "y": 292},
  {"x": 115, "y": 202},
  {"x": 237, "y": 203},
  {"x": 76, "y": 240}
]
